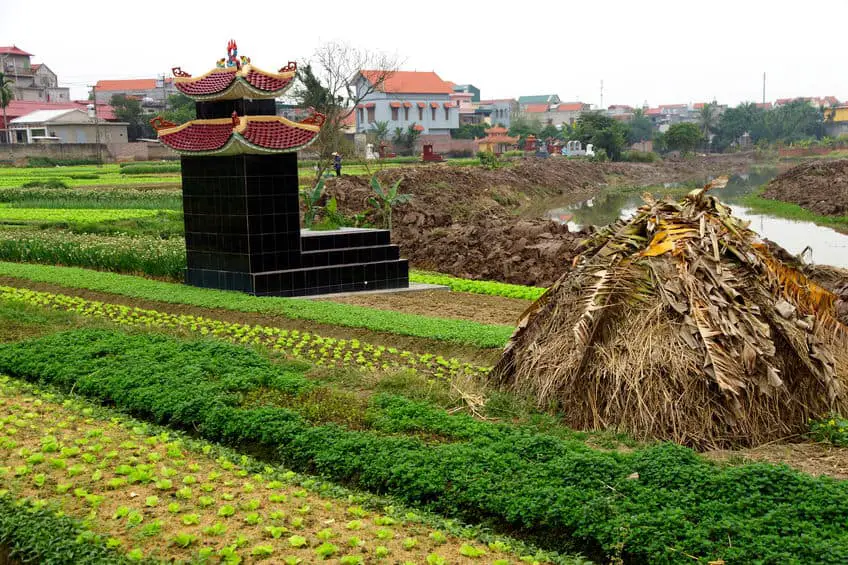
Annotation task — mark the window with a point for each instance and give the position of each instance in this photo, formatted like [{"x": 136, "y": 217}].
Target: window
[
  {"x": 420, "y": 114},
  {"x": 433, "y": 112},
  {"x": 395, "y": 114},
  {"x": 371, "y": 117},
  {"x": 361, "y": 115},
  {"x": 406, "y": 114},
  {"x": 447, "y": 114}
]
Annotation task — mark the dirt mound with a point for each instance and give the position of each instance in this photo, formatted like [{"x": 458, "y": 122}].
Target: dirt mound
[
  {"x": 679, "y": 324},
  {"x": 466, "y": 221},
  {"x": 818, "y": 186}
]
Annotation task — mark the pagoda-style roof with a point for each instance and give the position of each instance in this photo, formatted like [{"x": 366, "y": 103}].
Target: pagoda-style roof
[
  {"x": 496, "y": 130},
  {"x": 239, "y": 135},
  {"x": 230, "y": 83},
  {"x": 235, "y": 78},
  {"x": 505, "y": 139}
]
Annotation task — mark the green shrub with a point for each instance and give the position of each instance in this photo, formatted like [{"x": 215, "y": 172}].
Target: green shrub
[
  {"x": 832, "y": 429},
  {"x": 488, "y": 160},
  {"x": 640, "y": 156},
  {"x": 661, "y": 504},
  {"x": 49, "y": 162},
  {"x": 48, "y": 183}
]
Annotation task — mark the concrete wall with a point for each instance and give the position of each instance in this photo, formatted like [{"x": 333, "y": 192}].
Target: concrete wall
[{"x": 18, "y": 153}]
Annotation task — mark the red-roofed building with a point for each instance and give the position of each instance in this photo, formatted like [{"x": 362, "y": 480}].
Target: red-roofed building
[
  {"x": 18, "y": 108},
  {"x": 35, "y": 82},
  {"x": 406, "y": 98},
  {"x": 152, "y": 92},
  {"x": 536, "y": 108}
]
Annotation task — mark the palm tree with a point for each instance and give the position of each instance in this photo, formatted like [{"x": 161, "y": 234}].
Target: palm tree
[
  {"x": 708, "y": 118},
  {"x": 6, "y": 96},
  {"x": 380, "y": 131}
]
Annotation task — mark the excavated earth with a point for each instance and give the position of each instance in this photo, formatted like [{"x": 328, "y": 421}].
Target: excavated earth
[
  {"x": 477, "y": 223},
  {"x": 818, "y": 186}
]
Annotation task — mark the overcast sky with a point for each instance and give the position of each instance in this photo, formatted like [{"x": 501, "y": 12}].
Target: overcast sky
[{"x": 656, "y": 51}]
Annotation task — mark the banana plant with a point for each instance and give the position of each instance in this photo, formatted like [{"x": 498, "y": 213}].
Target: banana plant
[
  {"x": 385, "y": 200},
  {"x": 311, "y": 198}
]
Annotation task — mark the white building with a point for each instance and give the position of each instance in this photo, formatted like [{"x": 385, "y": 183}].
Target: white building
[{"x": 65, "y": 126}]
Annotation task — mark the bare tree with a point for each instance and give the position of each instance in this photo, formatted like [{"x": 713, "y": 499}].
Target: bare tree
[{"x": 333, "y": 84}]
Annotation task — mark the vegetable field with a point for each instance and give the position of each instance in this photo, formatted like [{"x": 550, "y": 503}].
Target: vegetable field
[{"x": 142, "y": 420}]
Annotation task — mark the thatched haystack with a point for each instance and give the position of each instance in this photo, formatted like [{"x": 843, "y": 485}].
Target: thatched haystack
[{"x": 680, "y": 324}]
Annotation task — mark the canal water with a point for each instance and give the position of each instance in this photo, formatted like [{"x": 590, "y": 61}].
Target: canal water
[{"x": 829, "y": 247}]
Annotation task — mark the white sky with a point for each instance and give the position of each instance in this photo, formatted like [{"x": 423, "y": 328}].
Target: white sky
[{"x": 656, "y": 50}]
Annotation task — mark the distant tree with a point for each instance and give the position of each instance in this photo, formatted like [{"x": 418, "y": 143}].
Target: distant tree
[
  {"x": 660, "y": 142},
  {"x": 522, "y": 126},
  {"x": 181, "y": 109},
  {"x": 639, "y": 128},
  {"x": 129, "y": 110},
  {"x": 549, "y": 130},
  {"x": 331, "y": 84},
  {"x": 735, "y": 122},
  {"x": 469, "y": 131},
  {"x": 602, "y": 131},
  {"x": 6, "y": 96},
  {"x": 708, "y": 118},
  {"x": 379, "y": 131},
  {"x": 406, "y": 138},
  {"x": 683, "y": 137}
]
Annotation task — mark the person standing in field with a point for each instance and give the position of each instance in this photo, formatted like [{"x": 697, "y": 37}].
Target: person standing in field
[{"x": 337, "y": 163}]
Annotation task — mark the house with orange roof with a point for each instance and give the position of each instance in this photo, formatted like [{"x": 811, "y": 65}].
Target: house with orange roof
[
  {"x": 31, "y": 81},
  {"x": 566, "y": 112},
  {"x": 151, "y": 92},
  {"x": 406, "y": 98}
]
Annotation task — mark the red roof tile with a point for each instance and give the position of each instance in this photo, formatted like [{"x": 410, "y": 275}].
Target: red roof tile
[
  {"x": 199, "y": 136},
  {"x": 128, "y": 84},
  {"x": 434, "y": 104},
  {"x": 536, "y": 108},
  {"x": 394, "y": 104},
  {"x": 571, "y": 107},
  {"x": 407, "y": 104},
  {"x": 211, "y": 83},
  {"x": 653, "y": 111},
  {"x": 35, "y": 66},
  {"x": 18, "y": 108},
  {"x": 495, "y": 130},
  {"x": 267, "y": 82},
  {"x": 409, "y": 82},
  {"x": 14, "y": 51},
  {"x": 277, "y": 135}
]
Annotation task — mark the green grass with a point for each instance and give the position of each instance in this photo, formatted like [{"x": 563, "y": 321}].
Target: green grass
[
  {"x": 458, "y": 331},
  {"x": 478, "y": 287},
  {"x": 756, "y": 203},
  {"x": 91, "y": 198}
]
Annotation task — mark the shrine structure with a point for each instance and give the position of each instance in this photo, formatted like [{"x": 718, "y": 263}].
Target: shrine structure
[
  {"x": 241, "y": 193},
  {"x": 496, "y": 141}
]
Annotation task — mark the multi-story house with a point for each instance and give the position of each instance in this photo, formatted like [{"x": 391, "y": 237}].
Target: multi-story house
[
  {"x": 406, "y": 98},
  {"x": 31, "y": 81},
  {"x": 468, "y": 89},
  {"x": 536, "y": 101},
  {"x": 566, "y": 113},
  {"x": 151, "y": 92},
  {"x": 500, "y": 111}
]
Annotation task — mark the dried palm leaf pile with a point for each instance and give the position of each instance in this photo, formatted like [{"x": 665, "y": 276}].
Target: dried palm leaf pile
[{"x": 680, "y": 324}]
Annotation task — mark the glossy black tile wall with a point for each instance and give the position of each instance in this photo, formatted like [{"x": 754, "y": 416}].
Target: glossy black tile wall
[{"x": 242, "y": 230}]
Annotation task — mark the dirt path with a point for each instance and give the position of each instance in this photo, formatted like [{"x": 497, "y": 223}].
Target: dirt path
[
  {"x": 444, "y": 304},
  {"x": 477, "y": 356},
  {"x": 813, "y": 458}
]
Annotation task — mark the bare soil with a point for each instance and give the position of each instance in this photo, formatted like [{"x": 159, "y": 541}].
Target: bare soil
[
  {"x": 813, "y": 458},
  {"x": 445, "y": 304},
  {"x": 478, "y": 223},
  {"x": 818, "y": 186}
]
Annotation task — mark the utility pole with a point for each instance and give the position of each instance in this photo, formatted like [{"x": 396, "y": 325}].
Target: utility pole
[
  {"x": 764, "y": 89},
  {"x": 164, "y": 95},
  {"x": 602, "y": 94},
  {"x": 96, "y": 125}
]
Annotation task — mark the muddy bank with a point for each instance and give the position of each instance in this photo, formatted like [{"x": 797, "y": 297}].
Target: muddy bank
[
  {"x": 473, "y": 222},
  {"x": 818, "y": 186}
]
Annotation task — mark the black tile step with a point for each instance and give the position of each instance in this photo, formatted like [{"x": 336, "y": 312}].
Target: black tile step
[
  {"x": 334, "y": 278},
  {"x": 342, "y": 239},
  {"x": 350, "y": 255}
]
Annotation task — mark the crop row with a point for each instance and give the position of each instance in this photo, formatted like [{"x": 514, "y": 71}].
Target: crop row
[
  {"x": 52, "y": 215},
  {"x": 491, "y": 288},
  {"x": 156, "y": 496},
  {"x": 144, "y": 255},
  {"x": 325, "y": 312},
  {"x": 82, "y": 252},
  {"x": 661, "y": 504},
  {"x": 155, "y": 199},
  {"x": 318, "y": 350}
]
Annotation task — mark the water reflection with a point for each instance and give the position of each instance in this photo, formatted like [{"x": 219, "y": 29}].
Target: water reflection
[{"x": 829, "y": 246}]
